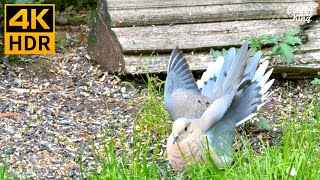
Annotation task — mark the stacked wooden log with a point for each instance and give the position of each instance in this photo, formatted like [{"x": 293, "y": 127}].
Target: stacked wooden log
[{"x": 137, "y": 36}]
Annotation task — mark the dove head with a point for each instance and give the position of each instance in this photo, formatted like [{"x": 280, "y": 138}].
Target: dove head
[{"x": 181, "y": 128}]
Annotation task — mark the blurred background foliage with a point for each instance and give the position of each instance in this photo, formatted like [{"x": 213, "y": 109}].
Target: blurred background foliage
[{"x": 60, "y": 4}]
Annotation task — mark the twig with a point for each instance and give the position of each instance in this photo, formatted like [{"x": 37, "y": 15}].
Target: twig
[{"x": 9, "y": 115}]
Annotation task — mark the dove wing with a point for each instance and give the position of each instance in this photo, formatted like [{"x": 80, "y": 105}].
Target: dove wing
[
  {"x": 181, "y": 94},
  {"x": 245, "y": 105}
]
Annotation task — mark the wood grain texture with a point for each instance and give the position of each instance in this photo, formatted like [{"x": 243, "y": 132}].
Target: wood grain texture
[
  {"x": 313, "y": 34},
  {"x": 296, "y": 72},
  {"x": 157, "y": 64},
  {"x": 199, "y": 61},
  {"x": 197, "y": 36},
  {"x": 139, "y": 4},
  {"x": 128, "y": 28},
  {"x": 306, "y": 65},
  {"x": 205, "y": 13}
]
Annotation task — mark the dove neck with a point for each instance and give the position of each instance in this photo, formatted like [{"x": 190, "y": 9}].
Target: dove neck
[{"x": 200, "y": 125}]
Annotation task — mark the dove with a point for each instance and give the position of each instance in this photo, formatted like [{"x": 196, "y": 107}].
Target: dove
[{"x": 206, "y": 112}]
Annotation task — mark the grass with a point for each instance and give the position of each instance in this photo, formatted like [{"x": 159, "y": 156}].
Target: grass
[
  {"x": 296, "y": 157},
  {"x": 139, "y": 163},
  {"x": 4, "y": 170},
  {"x": 152, "y": 116}
]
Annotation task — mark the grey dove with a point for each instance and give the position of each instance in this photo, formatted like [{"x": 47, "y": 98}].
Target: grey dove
[{"x": 206, "y": 112}]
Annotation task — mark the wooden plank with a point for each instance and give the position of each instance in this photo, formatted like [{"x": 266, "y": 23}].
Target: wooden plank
[
  {"x": 137, "y": 4},
  {"x": 296, "y": 72},
  {"x": 312, "y": 57},
  {"x": 199, "y": 61},
  {"x": 305, "y": 65},
  {"x": 205, "y": 13},
  {"x": 158, "y": 63},
  {"x": 197, "y": 36},
  {"x": 313, "y": 34},
  {"x": 314, "y": 30}
]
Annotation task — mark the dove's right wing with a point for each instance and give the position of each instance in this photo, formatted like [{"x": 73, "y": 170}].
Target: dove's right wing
[
  {"x": 215, "y": 112},
  {"x": 247, "y": 101},
  {"x": 181, "y": 94}
]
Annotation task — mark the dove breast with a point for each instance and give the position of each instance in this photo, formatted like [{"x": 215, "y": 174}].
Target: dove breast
[{"x": 190, "y": 150}]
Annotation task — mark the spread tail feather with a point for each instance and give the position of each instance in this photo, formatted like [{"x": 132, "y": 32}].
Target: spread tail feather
[
  {"x": 224, "y": 75},
  {"x": 249, "y": 100},
  {"x": 209, "y": 77}
]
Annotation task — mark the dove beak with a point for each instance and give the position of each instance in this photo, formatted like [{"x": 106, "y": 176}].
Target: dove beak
[{"x": 175, "y": 138}]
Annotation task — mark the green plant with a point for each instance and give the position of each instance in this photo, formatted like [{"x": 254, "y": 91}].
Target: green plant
[
  {"x": 216, "y": 53},
  {"x": 4, "y": 170},
  {"x": 1, "y": 10},
  {"x": 256, "y": 43},
  {"x": 316, "y": 81},
  {"x": 285, "y": 44},
  {"x": 139, "y": 162},
  {"x": 281, "y": 44},
  {"x": 152, "y": 114},
  {"x": 263, "y": 124}
]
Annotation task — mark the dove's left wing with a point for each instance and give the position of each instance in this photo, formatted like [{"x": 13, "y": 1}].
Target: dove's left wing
[{"x": 181, "y": 94}]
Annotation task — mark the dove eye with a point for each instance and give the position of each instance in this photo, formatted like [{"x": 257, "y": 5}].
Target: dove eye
[{"x": 186, "y": 128}]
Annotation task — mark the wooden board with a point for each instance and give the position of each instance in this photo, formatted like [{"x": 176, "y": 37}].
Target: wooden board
[
  {"x": 296, "y": 72},
  {"x": 306, "y": 65},
  {"x": 197, "y": 36},
  {"x": 313, "y": 43},
  {"x": 158, "y": 63},
  {"x": 138, "y": 4},
  {"x": 183, "y": 13},
  {"x": 312, "y": 57},
  {"x": 199, "y": 61}
]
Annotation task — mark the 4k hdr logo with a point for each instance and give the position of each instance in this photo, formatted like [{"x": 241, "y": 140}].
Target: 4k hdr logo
[{"x": 29, "y": 29}]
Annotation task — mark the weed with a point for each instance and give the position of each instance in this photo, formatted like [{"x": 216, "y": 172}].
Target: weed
[
  {"x": 316, "y": 81},
  {"x": 256, "y": 43},
  {"x": 285, "y": 45},
  {"x": 281, "y": 44}
]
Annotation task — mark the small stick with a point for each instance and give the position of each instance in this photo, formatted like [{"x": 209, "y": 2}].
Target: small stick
[{"x": 9, "y": 115}]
